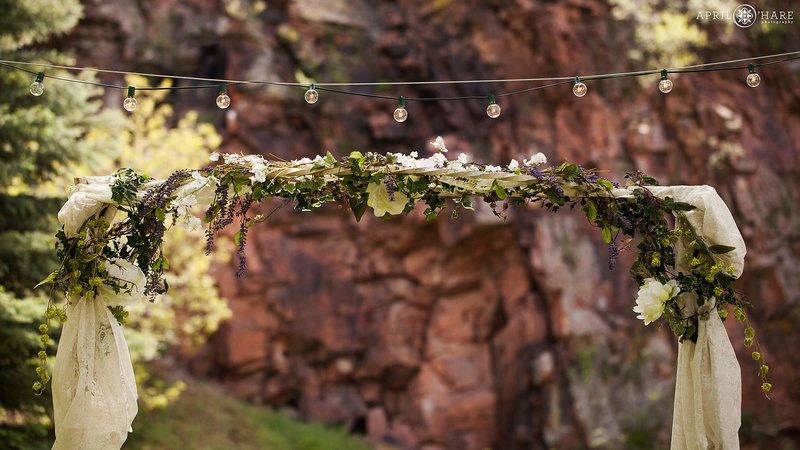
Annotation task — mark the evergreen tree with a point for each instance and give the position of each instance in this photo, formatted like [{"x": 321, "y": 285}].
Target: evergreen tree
[{"x": 40, "y": 139}]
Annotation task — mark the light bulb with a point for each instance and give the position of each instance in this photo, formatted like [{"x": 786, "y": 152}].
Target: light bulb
[
  {"x": 223, "y": 101},
  {"x": 493, "y": 110},
  {"x": 37, "y": 87},
  {"x": 130, "y": 102},
  {"x": 311, "y": 95},
  {"x": 579, "y": 89},
  {"x": 753, "y": 79},
  {"x": 665, "y": 85},
  {"x": 400, "y": 114}
]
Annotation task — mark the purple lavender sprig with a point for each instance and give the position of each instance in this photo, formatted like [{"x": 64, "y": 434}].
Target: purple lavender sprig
[
  {"x": 244, "y": 206},
  {"x": 391, "y": 185},
  {"x": 613, "y": 254}
]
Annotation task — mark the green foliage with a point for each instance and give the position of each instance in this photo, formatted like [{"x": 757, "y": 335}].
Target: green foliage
[
  {"x": 18, "y": 320},
  {"x": 41, "y": 139},
  {"x": 665, "y": 34},
  {"x": 26, "y": 22},
  {"x": 23, "y": 416},
  {"x": 204, "y": 418}
]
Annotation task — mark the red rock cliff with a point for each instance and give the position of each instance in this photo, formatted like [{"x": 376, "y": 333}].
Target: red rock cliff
[{"x": 473, "y": 333}]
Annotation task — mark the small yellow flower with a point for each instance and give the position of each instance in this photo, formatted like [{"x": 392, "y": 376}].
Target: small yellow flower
[
  {"x": 717, "y": 291},
  {"x": 43, "y": 328},
  {"x": 723, "y": 313},
  {"x": 37, "y": 386},
  {"x": 766, "y": 387},
  {"x": 695, "y": 262},
  {"x": 731, "y": 270}
]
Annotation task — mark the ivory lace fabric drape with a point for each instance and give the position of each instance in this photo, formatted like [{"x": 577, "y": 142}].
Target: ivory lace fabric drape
[
  {"x": 708, "y": 387},
  {"x": 94, "y": 390}
]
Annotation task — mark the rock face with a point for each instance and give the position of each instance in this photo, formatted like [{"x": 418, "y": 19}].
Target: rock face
[{"x": 475, "y": 333}]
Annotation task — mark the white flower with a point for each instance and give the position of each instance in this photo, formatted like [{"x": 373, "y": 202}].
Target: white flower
[
  {"x": 184, "y": 204},
  {"x": 190, "y": 222},
  {"x": 493, "y": 169},
  {"x": 214, "y": 156},
  {"x": 300, "y": 161},
  {"x": 381, "y": 204},
  {"x": 129, "y": 277},
  {"x": 259, "y": 173},
  {"x": 321, "y": 161},
  {"x": 413, "y": 155},
  {"x": 513, "y": 165},
  {"x": 535, "y": 160},
  {"x": 439, "y": 160},
  {"x": 652, "y": 297},
  {"x": 463, "y": 158},
  {"x": 439, "y": 145}
]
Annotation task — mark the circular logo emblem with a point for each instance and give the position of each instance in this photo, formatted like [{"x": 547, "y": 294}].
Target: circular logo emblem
[{"x": 744, "y": 15}]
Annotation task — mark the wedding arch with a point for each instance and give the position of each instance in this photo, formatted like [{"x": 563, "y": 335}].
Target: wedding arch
[{"x": 113, "y": 228}]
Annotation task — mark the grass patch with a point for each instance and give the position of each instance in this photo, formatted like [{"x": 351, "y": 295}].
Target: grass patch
[{"x": 205, "y": 418}]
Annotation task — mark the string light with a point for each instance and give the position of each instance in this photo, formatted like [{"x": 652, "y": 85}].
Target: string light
[
  {"x": 37, "y": 87},
  {"x": 665, "y": 85},
  {"x": 753, "y": 79},
  {"x": 130, "y": 102},
  {"x": 579, "y": 89},
  {"x": 400, "y": 114},
  {"x": 311, "y": 95},
  {"x": 493, "y": 110},
  {"x": 223, "y": 101}
]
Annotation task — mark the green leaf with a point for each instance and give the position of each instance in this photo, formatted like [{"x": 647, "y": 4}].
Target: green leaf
[
  {"x": 160, "y": 214},
  {"x": 49, "y": 279},
  {"x": 591, "y": 210},
  {"x": 237, "y": 238},
  {"x": 720, "y": 249},
  {"x": 358, "y": 206},
  {"x": 430, "y": 214},
  {"x": 607, "y": 234},
  {"x": 669, "y": 205},
  {"x": 499, "y": 191}
]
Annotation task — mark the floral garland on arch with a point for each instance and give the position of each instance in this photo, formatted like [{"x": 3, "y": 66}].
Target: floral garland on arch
[{"x": 110, "y": 259}]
